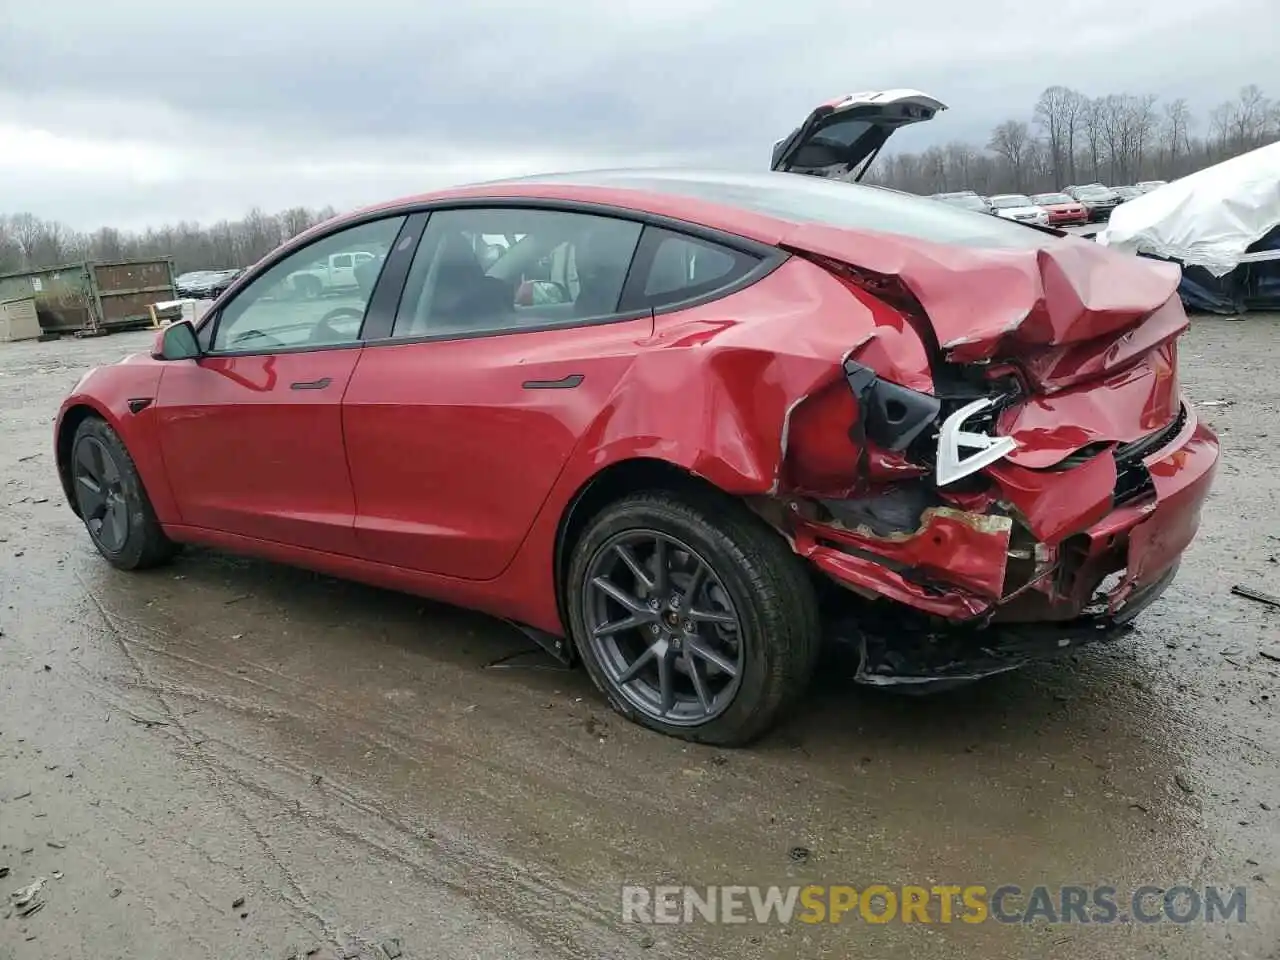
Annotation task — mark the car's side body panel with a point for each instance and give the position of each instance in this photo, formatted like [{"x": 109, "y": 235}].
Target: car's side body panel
[
  {"x": 107, "y": 392},
  {"x": 454, "y": 445},
  {"x": 253, "y": 445}
]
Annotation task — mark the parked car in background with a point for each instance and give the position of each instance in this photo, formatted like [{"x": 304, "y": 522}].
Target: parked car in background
[
  {"x": 1126, "y": 193},
  {"x": 1061, "y": 208},
  {"x": 1098, "y": 200},
  {"x": 204, "y": 284},
  {"x": 1016, "y": 206},
  {"x": 1146, "y": 186},
  {"x": 965, "y": 200},
  {"x": 333, "y": 274}
]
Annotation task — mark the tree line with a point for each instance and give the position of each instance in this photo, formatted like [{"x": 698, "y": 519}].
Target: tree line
[
  {"x": 1072, "y": 138},
  {"x": 28, "y": 242}
]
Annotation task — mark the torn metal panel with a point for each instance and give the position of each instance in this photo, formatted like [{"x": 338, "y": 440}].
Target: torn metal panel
[{"x": 986, "y": 302}]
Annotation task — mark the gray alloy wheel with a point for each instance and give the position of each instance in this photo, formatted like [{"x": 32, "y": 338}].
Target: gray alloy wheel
[
  {"x": 692, "y": 615},
  {"x": 662, "y": 627}
]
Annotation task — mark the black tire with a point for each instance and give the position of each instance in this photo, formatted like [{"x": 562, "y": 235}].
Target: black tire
[
  {"x": 136, "y": 541},
  {"x": 778, "y": 627}
]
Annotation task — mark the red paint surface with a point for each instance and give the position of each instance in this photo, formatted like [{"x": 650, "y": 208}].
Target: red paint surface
[{"x": 429, "y": 467}]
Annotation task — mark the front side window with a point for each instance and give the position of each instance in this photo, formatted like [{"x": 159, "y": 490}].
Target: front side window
[
  {"x": 483, "y": 270},
  {"x": 316, "y": 296}
]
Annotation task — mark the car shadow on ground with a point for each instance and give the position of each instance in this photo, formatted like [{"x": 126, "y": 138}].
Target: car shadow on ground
[{"x": 1042, "y": 708}]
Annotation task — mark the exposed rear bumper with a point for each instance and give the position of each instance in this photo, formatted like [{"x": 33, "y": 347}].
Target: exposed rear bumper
[
  {"x": 931, "y": 662},
  {"x": 991, "y": 595}
]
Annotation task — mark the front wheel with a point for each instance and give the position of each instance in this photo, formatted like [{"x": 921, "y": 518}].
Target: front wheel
[
  {"x": 112, "y": 501},
  {"x": 692, "y": 616}
]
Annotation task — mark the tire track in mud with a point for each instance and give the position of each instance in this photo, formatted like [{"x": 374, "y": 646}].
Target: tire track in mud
[
  {"x": 328, "y": 931},
  {"x": 553, "y": 912}
]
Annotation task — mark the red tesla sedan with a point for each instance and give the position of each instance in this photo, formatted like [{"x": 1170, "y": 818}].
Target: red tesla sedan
[{"x": 681, "y": 427}]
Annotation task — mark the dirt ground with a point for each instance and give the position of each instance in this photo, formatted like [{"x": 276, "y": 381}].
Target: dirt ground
[{"x": 227, "y": 758}]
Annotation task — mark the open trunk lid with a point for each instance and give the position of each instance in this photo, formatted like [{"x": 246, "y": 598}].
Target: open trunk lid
[{"x": 839, "y": 135}]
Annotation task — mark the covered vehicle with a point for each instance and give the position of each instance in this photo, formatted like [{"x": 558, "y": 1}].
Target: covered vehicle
[
  {"x": 1061, "y": 208},
  {"x": 1221, "y": 224},
  {"x": 744, "y": 413},
  {"x": 1016, "y": 206}
]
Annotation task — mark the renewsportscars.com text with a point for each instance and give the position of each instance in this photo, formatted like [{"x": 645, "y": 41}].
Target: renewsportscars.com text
[{"x": 975, "y": 903}]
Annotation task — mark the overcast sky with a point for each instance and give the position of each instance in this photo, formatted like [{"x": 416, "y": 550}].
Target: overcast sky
[{"x": 141, "y": 111}]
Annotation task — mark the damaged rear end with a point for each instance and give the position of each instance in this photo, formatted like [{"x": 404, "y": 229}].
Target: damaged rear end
[{"x": 1028, "y": 487}]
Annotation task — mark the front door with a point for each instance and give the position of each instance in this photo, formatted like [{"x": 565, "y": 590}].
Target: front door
[{"x": 251, "y": 432}]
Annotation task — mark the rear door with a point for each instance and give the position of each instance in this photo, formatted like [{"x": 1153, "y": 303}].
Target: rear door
[
  {"x": 460, "y": 419},
  {"x": 841, "y": 134}
]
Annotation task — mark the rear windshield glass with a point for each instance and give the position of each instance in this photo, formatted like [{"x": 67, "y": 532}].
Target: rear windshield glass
[{"x": 835, "y": 203}]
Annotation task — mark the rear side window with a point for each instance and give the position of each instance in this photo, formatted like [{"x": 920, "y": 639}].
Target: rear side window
[{"x": 672, "y": 267}]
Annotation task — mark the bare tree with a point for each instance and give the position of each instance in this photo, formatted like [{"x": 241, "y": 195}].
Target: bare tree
[
  {"x": 1249, "y": 116},
  {"x": 1177, "y": 124},
  {"x": 1057, "y": 114},
  {"x": 1092, "y": 124},
  {"x": 1010, "y": 140}
]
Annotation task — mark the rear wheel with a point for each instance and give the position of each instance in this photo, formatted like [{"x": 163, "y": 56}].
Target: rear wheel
[
  {"x": 112, "y": 502},
  {"x": 692, "y": 616}
]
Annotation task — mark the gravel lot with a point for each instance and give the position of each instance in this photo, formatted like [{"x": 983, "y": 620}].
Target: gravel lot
[{"x": 227, "y": 758}]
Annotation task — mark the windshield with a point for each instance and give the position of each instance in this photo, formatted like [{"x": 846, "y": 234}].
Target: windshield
[
  {"x": 833, "y": 203},
  {"x": 1052, "y": 198},
  {"x": 1011, "y": 200}
]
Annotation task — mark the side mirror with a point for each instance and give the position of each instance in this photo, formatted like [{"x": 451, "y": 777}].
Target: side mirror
[{"x": 176, "y": 342}]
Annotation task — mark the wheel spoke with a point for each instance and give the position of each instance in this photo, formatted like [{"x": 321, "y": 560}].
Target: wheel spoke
[
  {"x": 642, "y": 577},
  {"x": 110, "y": 472},
  {"x": 611, "y": 589},
  {"x": 699, "y": 682},
  {"x": 115, "y": 522},
  {"x": 617, "y": 626},
  {"x": 661, "y": 575},
  {"x": 92, "y": 499},
  {"x": 666, "y": 683},
  {"x": 87, "y": 461},
  {"x": 695, "y": 581},
  {"x": 638, "y": 664},
  {"x": 713, "y": 616},
  {"x": 699, "y": 649}
]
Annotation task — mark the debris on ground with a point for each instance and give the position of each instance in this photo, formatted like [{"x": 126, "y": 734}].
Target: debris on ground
[
  {"x": 237, "y": 903},
  {"x": 28, "y": 901},
  {"x": 1251, "y": 594},
  {"x": 1271, "y": 653},
  {"x": 391, "y": 948},
  {"x": 1215, "y": 403},
  {"x": 798, "y": 854},
  {"x": 1183, "y": 783}
]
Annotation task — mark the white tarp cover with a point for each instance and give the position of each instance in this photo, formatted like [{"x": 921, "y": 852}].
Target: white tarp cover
[{"x": 1208, "y": 218}]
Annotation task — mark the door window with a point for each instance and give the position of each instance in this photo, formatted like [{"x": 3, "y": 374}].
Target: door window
[
  {"x": 483, "y": 270},
  {"x": 312, "y": 297}
]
